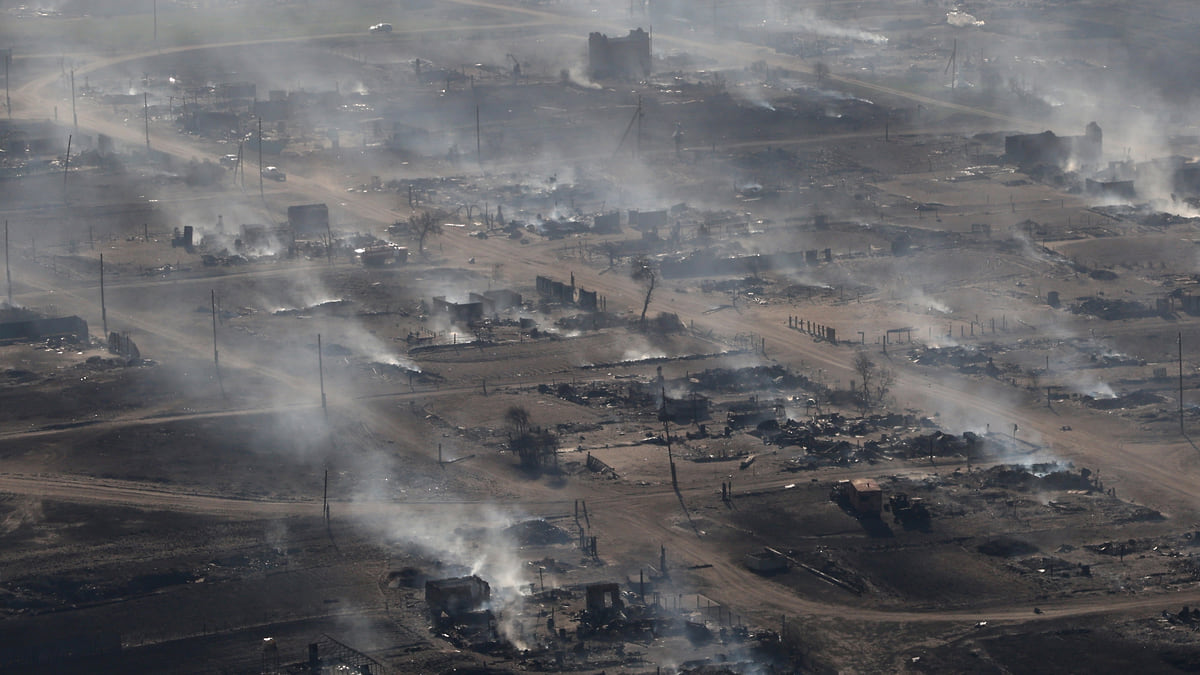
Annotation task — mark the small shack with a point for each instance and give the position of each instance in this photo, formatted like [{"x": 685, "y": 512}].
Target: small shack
[
  {"x": 865, "y": 496},
  {"x": 457, "y": 596}
]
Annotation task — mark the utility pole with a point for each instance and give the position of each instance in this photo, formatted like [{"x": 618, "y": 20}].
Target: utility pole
[
  {"x": 639, "y": 125},
  {"x": 478, "y": 144},
  {"x": 952, "y": 65},
  {"x": 261, "y": 192},
  {"x": 146, "y": 115},
  {"x": 103, "y": 308},
  {"x": 321, "y": 374},
  {"x": 325, "y": 498},
  {"x": 216, "y": 355},
  {"x": 7, "y": 269},
  {"x": 1181, "y": 431},
  {"x": 67, "y": 165},
  {"x": 74, "y": 116},
  {"x": 156, "y": 20},
  {"x": 7, "y": 65}
]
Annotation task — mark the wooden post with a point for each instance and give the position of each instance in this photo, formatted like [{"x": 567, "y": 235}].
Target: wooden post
[
  {"x": 321, "y": 374},
  {"x": 103, "y": 309},
  {"x": 7, "y": 269},
  {"x": 216, "y": 356}
]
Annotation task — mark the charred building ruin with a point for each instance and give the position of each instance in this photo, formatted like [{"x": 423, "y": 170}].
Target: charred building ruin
[
  {"x": 551, "y": 290},
  {"x": 1048, "y": 148},
  {"x": 309, "y": 220},
  {"x": 458, "y": 596},
  {"x": 619, "y": 58},
  {"x": 71, "y": 328}
]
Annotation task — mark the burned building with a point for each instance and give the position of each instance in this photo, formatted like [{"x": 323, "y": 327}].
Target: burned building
[
  {"x": 500, "y": 299},
  {"x": 1121, "y": 189},
  {"x": 71, "y": 328},
  {"x": 260, "y": 237},
  {"x": 603, "y": 596},
  {"x": 231, "y": 92},
  {"x": 620, "y": 58},
  {"x": 551, "y": 290},
  {"x": 273, "y": 111},
  {"x": 555, "y": 291},
  {"x": 309, "y": 220},
  {"x": 213, "y": 122},
  {"x": 459, "y": 312},
  {"x": 686, "y": 410},
  {"x": 1048, "y": 148},
  {"x": 588, "y": 301},
  {"x": 607, "y": 223},
  {"x": 457, "y": 596},
  {"x": 21, "y": 137},
  {"x": 647, "y": 221}
]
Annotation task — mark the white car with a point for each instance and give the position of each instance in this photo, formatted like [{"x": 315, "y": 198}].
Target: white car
[
  {"x": 381, "y": 28},
  {"x": 274, "y": 173}
]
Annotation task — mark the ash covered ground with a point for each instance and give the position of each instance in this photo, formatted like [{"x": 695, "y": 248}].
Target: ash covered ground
[{"x": 443, "y": 337}]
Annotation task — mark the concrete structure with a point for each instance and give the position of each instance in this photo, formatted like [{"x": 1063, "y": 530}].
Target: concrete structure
[
  {"x": 605, "y": 596},
  {"x": 620, "y": 58}
]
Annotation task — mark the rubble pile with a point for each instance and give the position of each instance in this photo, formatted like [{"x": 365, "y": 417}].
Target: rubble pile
[
  {"x": 1037, "y": 477},
  {"x": 536, "y": 533},
  {"x": 631, "y": 394},
  {"x": 936, "y": 444},
  {"x": 1113, "y": 309},
  {"x": 1130, "y": 400},
  {"x": 753, "y": 378}
]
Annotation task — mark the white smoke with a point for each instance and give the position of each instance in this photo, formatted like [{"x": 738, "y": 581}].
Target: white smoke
[{"x": 962, "y": 20}]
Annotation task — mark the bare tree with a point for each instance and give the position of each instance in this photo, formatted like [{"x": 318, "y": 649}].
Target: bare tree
[
  {"x": 867, "y": 373},
  {"x": 884, "y": 379},
  {"x": 534, "y": 447},
  {"x": 517, "y": 418},
  {"x": 643, "y": 270},
  {"x": 820, "y": 71},
  {"x": 876, "y": 381},
  {"x": 424, "y": 224}
]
